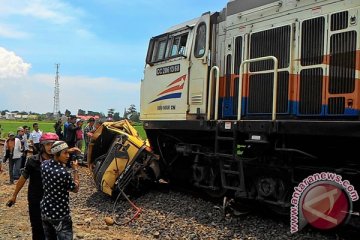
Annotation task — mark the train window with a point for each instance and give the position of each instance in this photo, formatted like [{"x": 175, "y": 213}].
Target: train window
[
  {"x": 200, "y": 41},
  {"x": 167, "y": 46},
  {"x": 160, "y": 54},
  {"x": 178, "y": 45}
]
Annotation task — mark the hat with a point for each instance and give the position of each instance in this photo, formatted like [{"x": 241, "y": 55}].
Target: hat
[
  {"x": 72, "y": 116},
  {"x": 58, "y": 146},
  {"x": 91, "y": 119},
  {"x": 20, "y": 129},
  {"x": 79, "y": 120},
  {"x": 11, "y": 134},
  {"x": 48, "y": 137}
]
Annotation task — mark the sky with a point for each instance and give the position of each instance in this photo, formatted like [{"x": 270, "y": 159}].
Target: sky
[{"x": 100, "y": 45}]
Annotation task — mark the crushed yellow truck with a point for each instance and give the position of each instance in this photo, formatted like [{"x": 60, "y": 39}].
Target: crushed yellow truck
[{"x": 120, "y": 160}]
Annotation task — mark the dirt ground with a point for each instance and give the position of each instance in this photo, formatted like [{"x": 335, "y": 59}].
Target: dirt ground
[{"x": 88, "y": 220}]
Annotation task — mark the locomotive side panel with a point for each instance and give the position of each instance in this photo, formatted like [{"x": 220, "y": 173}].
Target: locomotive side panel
[{"x": 317, "y": 48}]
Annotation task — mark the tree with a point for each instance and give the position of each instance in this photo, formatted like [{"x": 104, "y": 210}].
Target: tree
[
  {"x": 81, "y": 112},
  {"x": 92, "y": 113},
  {"x": 67, "y": 113},
  {"x": 4, "y": 111},
  {"x": 132, "y": 114},
  {"x": 111, "y": 112},
  {"x": 116, "y": 116},
  {"x": 132, "y": 109},
  {"x": 135, "y": 117}
]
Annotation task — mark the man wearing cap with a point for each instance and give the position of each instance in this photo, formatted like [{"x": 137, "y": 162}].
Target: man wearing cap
[
  {"x": 35, "y": 136},
  {"x": 35, "y": 192},
  {"x": 57, "y": 182}
]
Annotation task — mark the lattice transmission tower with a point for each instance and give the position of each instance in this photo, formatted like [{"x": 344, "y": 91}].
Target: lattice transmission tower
[{"x": 56, "y": 93}]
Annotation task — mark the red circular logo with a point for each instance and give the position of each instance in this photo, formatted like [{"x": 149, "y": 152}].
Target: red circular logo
[{"x": 325, "y": 206}]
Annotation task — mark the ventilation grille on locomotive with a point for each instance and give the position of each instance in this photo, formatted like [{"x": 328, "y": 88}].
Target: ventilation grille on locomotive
[
  {"x": 339, "y": 21},
  {"x": 312, "y": 41},
  {"x": 311, "y": 81},
  {"x": 261, "y": 93},
  {"x": 342, "y": 62},
  {"x": 277, "y": 44},
  {"x": 336, "y": 105}
]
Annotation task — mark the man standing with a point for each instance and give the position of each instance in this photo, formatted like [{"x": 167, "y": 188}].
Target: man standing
[
  {"x": 58, "y": 129},
  {"x": 57, "y": 182},
  {"x": 25, "y": 138},
  {"x": 20, "y": 134},
  {"x": 71, "y": 132},
  {"x": 12, "y": 152},
  {"x": 35, "y": 191},
  {"x": 88, "y": 129},
  {"x": 35, "y": 136}
]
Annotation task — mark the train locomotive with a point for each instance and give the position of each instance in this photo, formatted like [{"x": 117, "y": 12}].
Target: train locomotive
[{"x": 249, "y": 101}]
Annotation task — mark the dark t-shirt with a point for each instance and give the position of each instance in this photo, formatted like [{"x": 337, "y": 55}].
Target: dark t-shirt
[
  {"x": 70, "y": 138},
  {"x": 32, "y": 170}
]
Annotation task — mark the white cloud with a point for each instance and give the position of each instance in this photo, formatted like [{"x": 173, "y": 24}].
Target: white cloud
[
  {"x": 9, "y": 31},
  {"x": 11, "y": 65},
  {"x": 36, "y": 93},
  {"x": 55, "y": 11}
]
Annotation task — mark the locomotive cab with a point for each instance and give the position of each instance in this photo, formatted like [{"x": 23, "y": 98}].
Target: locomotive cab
[{"x": 178, "y": 62}]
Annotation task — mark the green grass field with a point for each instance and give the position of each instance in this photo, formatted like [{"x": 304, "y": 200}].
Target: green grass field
[
  {"x": 45, "y": 126},
  {"x": 12, "y": 125}
]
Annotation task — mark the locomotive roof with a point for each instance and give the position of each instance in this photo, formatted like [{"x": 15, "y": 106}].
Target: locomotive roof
[
  {"x": 233, "y": 7},
  {"x": 189, "y": 23},
  {"x": 236, "y": 6}
]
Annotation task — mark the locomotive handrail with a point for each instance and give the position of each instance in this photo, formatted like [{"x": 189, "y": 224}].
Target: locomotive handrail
[
  {"x": 275, "y": 70},
  {"x": 216, "y": 93}
]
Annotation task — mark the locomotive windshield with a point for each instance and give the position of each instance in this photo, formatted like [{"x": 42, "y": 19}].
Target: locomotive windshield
[{"x": 167, "y": 46}]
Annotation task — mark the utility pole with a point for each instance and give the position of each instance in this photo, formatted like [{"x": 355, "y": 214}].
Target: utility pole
[{"x": 56, "y": 93}]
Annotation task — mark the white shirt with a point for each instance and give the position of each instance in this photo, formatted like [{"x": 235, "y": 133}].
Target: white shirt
[
  {"x": 17, "y": 149},
  {"x": 35, "y": 136}
]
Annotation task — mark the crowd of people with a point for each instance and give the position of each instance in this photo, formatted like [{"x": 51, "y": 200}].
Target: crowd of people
[{"x": 52, "y": 172}]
